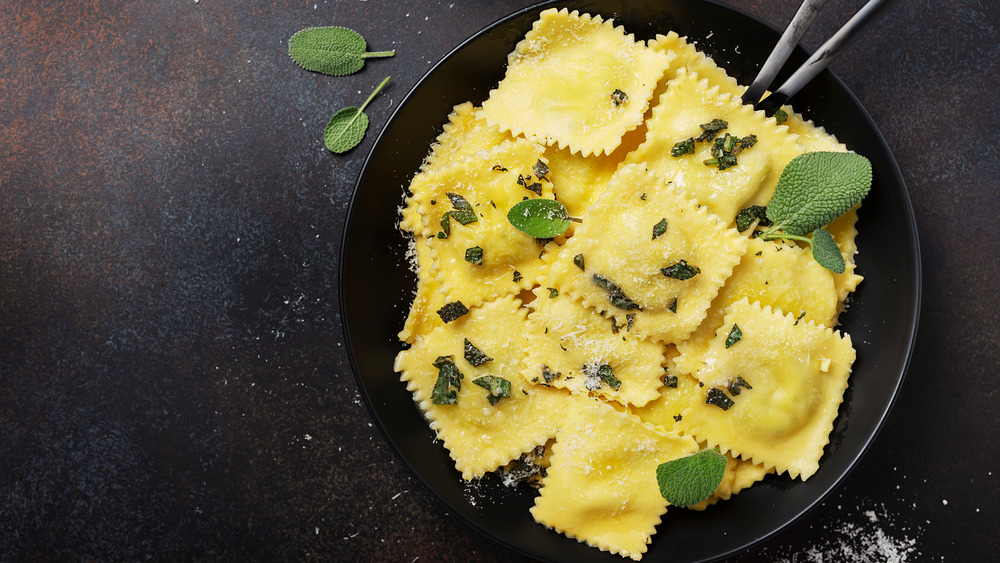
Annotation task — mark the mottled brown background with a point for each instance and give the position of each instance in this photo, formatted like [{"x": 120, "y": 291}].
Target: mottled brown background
[{"x": 173, "y": 379}]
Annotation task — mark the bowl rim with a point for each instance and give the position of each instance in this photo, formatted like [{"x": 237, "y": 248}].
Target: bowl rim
[{"x": 912, "y": 321}]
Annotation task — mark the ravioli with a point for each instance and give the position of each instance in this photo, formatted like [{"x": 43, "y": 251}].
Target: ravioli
[
  {"x": 795, "y": 376},
  {"x": 576, "y": 81},
  {"x": 651, "y": 328},
  {"x": 624, "y": 263},
  {"x": 595, "y": 446},
  {"x": 573, "y": 347},
  {"x": 489, "y": 183},
  {"x": 479, "y": 435},
  {"x": 691, "y": 101}
]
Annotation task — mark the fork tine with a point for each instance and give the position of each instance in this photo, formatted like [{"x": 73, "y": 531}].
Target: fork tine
[
  {"x": 803, "y": 18},
  {"x": 823, "y": 56}
]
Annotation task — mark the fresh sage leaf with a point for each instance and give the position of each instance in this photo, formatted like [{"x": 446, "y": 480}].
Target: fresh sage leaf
[
  {"x": 348, "y": 126},
  {"x": 540, "y": 217},
  {"x": 816, "y": 188},
  {"x": 826, "y": 253},
  {"x": 689, "y": 480},
  {"x": 336, "y": 51}
]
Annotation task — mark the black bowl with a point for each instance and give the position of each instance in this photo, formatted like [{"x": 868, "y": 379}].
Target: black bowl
[{"x": 376, "y": 286}]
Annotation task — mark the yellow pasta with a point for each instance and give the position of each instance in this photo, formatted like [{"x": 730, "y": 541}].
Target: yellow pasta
[
  {"x": 782, "y": 276},
  {"x": 795, "y": 377},
  {"x": 687, "y": 57},
  {"x": 428, "y": 298},
  {"x": 617, "y": 247},
  {"x": 479, "y": 435},
  {"x": 579, "y": 178},
  {"x": 562, "y": 78},
  {"x": 465, "y": 134},
  {"x": 609, "y": 349},
  {"x": 690, "y": 101},
  {"x": 568, "y": 344},
  {"x": 490, "y": 182},
  {"x": 597, "y": 445},
  {"x": 675, "y": 395}
]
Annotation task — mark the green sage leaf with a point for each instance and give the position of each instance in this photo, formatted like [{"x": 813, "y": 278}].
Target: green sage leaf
[
  {"x": 336, "y": 51},
  {"x": 689, "y": 480},
  {"x": 718, "y": 398},
  {"x": 615, "y": 293},
  {"x": 735, "y": 335},
  {"x": 448, "y": 377},
  {"x": 540, "y": 218},
  {"x": 452, "y": 311},
  {"x": 498, "y": 387},
  {"x": 474, "y": 355},
  {"x": 680, "y": 271},
  {"x": 747, "y": 215},
  {"x": 474, "y": 255},
  {"x": 348, "y": 126},
  {"x": 816, "y": 188},
  {"x": 826, "y": 253},
  {"x": 659, "y": 228}
]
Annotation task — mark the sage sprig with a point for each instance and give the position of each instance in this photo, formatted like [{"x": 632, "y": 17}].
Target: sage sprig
[{"x": 814, "y": 189}]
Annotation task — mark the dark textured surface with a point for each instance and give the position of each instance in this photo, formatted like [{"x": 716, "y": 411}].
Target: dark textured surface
[{"x": 173, "y": 380}]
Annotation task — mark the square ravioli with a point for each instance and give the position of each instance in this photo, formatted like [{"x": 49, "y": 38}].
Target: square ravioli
[
  {"x": 573, "y": 347},
  {"x": 646, "y": 254},
  {"x": 597, "y": 445},
  {"x": 776, "y": 274},
  {"x": 576, "y": 81},
  {"x": 480, "y": 433},
  {"x": 477, "y": 254},
  {"x": 771, "y": 389},
  {"x": 690, "y": 102}
]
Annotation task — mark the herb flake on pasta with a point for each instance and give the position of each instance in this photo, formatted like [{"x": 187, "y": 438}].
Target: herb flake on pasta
[
  {"x": 474, "y": 355},
  {"x": 498, "y": 387}
]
